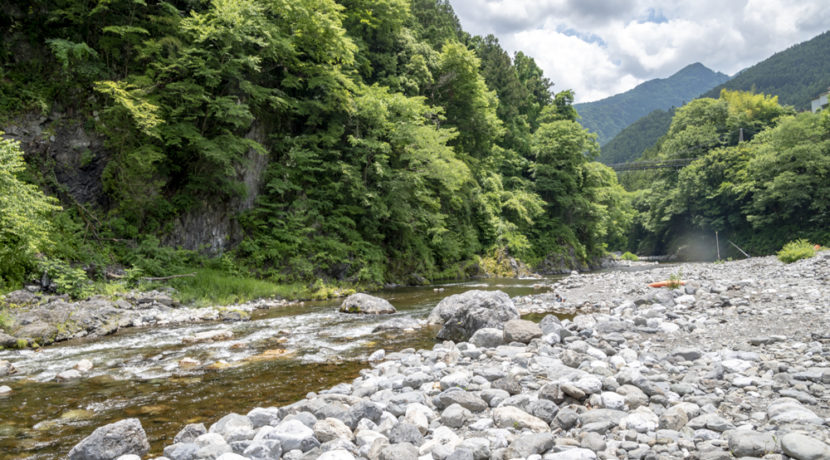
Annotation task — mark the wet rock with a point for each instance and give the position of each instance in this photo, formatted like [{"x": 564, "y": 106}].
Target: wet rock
[
  {"x": 463, "y": 314},
  {"x": 209, "y": 336},
  {"x": 188, "y": 363},
  {"x": 83, "y": 366},
  {"x": 111, "y": 441},
  {"x": 366, "y": 304},
  {"x": 67, "y": 375},
  {"x": 6, "y": 368},
  {"x": 398, "y": 324},
  {"x": 190, "y": 432}
]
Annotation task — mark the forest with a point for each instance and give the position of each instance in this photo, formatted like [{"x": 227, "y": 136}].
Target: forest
[
  {"x": 351, "y": 141},
  {"x": 760, "y": 177}
]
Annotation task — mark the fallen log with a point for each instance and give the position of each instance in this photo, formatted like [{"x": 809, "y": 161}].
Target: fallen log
[{"x": 165, "y": 278}]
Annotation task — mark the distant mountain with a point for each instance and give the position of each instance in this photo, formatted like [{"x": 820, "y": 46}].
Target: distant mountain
[
  {"x": 796, "y": 75},
  {"x": 630, "y": 143},
  {"x": 609, "y": 116}
]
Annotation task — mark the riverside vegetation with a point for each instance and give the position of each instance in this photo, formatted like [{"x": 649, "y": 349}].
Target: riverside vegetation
[
  {"x": 305, "y": 148},
  {"x": 354, "y": 142}
]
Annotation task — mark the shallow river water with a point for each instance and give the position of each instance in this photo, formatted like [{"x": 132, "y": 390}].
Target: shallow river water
[{"x": 272, "y": 360}]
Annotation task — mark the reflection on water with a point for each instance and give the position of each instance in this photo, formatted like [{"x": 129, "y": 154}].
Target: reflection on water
[{"x": 272, "y": 360}]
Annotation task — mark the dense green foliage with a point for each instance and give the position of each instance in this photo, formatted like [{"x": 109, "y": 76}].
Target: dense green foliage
[
  {"x": 796, "y": 75},
  {"x": 609, "y": 116},
  {"x": 630, "y": 143},
  {"x": 25, "y": 227},
  {"x": 796, "y": 250},
  {"x": 758, "y": 192},
  {"x": 354, "y": 141}
]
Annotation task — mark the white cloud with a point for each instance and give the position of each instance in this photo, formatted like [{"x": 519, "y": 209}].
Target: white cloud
[{"x": 602, "y": 47}]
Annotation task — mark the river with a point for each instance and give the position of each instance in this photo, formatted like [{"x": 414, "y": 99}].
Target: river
[{"x": 274, "y": 359}]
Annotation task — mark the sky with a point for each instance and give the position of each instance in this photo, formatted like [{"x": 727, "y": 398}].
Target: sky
[{"x": 599, "y": 48}]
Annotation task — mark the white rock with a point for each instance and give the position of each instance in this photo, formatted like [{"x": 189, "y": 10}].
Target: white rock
[
  {"x": 70, "y": 374},
  {"x": 513, "y": 417},
  {"x": 83, "y": 365},
  {"x": 641, "y": 420},
  {"x": 419, "y": 415},
  {"x": 336, "y": 454},
  {"x": 611, "y": 400}
]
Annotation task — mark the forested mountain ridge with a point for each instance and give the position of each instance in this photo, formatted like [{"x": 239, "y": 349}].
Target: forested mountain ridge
[
  {"x": 632, "y": 141},
  {"x": 796, "y": 75},
  {"x": 609, "y": 116},
  {"x": 354, "y": 140}
]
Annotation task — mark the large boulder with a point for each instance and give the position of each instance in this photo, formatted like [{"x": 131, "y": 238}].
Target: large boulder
[
  {"x": 367, "y": 304},
  {"x": 463, "y": 314},
  {"x": 112, "y": 441}
]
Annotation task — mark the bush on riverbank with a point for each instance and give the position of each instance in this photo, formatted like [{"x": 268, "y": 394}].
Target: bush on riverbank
[
  {"x": 796, "y": 250},
  {"x": 628, "y": 255}
]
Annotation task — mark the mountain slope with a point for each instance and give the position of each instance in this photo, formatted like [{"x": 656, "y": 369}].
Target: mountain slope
[
  {"x": 609, "y": 116},
  {"x": 630, "y": 143},
  {"x": 796, "y": 75}
]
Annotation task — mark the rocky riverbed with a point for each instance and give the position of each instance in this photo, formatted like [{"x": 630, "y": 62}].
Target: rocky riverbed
[
  {"x": 37, "y": 319},
  {"x": 735, "y": 364}
]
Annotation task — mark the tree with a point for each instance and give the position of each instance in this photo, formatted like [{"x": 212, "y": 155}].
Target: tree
[
  {"x": 468, "y": 104},
  {"x": 25, "y": 229}
]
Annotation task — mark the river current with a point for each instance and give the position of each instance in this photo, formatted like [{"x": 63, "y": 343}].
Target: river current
[{"x": 274, "y": 359}]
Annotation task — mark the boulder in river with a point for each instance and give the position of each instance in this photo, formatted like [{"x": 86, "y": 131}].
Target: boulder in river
[
  {"x": 367, "y": 304},
  {"x": 463, "y": 314},
  {"x": 112, "y": 441}
]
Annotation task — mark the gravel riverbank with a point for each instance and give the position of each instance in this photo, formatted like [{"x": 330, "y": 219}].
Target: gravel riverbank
[{"x": 735, "y": 364}]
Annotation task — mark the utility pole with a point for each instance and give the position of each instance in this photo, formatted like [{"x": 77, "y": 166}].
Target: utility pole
[
  {"x": 717, "y": 243},
  {"x": 741, "y": 136}
]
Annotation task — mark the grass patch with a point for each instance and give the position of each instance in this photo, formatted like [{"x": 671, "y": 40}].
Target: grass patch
[
  {"x": 796, "y": 250},
  {"x": 6, "y": 320},
  {"x": 628, "y": 255},
  {"x": 216, "y": 287}
]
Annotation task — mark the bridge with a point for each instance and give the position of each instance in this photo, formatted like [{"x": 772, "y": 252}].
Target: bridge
[{"x": 676, "y": 163}]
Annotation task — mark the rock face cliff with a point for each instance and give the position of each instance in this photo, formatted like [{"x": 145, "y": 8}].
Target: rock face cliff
[{"x": 64, "y": 149}]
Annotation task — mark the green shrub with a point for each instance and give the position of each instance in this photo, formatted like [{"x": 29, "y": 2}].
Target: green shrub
[
  {"x": 69, "y": 280},
  {"x": 25, "y": 230},
  {"x": 629, "y": 256},
  {"x": 796, "y": 250}
]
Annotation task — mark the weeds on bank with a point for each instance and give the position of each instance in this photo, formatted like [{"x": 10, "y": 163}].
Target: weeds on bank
[
  {"x": 796, "y": 250},
  {"x": 628, "y": 255}
]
